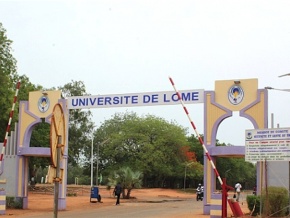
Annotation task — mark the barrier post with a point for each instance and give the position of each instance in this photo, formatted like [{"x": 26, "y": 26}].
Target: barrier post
[{"x": 224, "y": 199}]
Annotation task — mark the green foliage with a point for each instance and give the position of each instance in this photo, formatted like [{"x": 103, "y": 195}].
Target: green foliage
[
  {"x": 72, "y": 194},
  {"x": 275, "y": 201},
  {"x": 7, "y": 79},
  {"x": 39, "y": 138},
  {"x": 148, "y": 144},
  {"x": 194, "y": 170},
  {"x": 128, "y": 178},
  {"x": 8, "y": 82},
  {"x": 229, "y": 168},
  {"x": 196, "y": 147},
  {"x": 14, "y": 203},
  {"x": 80, "y": 125},
  {"x": 74, "y": 172},
  {"x": 253, "y": 203},
  {"x": 84, "y": 180}
]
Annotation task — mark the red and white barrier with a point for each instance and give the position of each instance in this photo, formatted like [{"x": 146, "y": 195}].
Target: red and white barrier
[
  {"x": 9, "y": 123},
  {"x": 199, "y": 138}
]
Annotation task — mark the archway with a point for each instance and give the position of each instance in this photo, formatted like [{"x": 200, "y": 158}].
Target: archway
[
  {"x": 229, "y": 96},
  {"x": 228, "y": 125},
  {"x": 218, "y": 106}
]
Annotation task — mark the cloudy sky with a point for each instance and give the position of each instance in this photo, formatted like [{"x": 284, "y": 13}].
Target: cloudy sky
[{"x": 129, "y": 46}]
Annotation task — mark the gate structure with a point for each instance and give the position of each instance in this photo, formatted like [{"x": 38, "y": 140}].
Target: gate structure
[
  {"x": 228, "y": 96},
  {"x": 15, "y": 171}
]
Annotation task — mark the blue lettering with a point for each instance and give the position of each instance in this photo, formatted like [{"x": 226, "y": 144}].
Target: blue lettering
[
  {"x": 146, "y": 98},
  {"x": 195, "y": 96},
  {"x": 92, "y": 101},
  {"x": 135, "y": 99},
  {"x": 174, "y": 97},
  {"x": 107, "y": 100},
  {"x": 126, "y": 99},
  {"x": 100, "y": 101},
  {"x": 185, "y": 96},
  {"x": 116, "y": 100},
  {"x": 155, "y": 98},
  {"x": 83, "y": 102},
  {"x": 165, "y": 98},
  {"x": 74, "y": 103}
]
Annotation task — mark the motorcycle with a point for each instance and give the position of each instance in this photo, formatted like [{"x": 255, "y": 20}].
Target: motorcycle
[{"x": 199, "y": 193}]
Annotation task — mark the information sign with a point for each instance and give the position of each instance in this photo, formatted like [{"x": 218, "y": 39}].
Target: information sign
[{"x": 267, "y": 144}]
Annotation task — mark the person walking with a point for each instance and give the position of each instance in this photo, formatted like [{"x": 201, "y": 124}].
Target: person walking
[
  {"x": 238, "y": 188},
  {"x": 117, "y": 192},
  {"x": 255, "y": 190}
]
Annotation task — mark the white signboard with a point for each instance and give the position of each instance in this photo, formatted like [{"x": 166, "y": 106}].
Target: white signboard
[
  {"x": 135, "y": 99},
  {"x": 267, "y": 144}
]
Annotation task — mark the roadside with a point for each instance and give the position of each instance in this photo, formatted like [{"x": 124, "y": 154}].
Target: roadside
[{"x": 184, "y": 204}]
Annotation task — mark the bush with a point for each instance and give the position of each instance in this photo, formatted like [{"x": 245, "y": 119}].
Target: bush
[
  {"x": 71, "y": 194},
  {"x": 84, "y": 180},
  {"x": 14, "y": 203},
  {"x": 253, "y": 202},
  {"x": 275, "y": 203}
]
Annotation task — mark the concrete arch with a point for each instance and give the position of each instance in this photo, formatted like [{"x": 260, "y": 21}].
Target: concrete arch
[
  {"x": 29, "y": 116},
  {"x": 230, "y": 122},
  {"x": 217, "y": 108}
]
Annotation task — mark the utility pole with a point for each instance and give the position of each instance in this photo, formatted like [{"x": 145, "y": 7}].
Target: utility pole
[{"x": 98, "y": 155}]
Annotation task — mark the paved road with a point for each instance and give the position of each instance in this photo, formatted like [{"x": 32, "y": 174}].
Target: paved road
[{"x": 167, "y": 208}]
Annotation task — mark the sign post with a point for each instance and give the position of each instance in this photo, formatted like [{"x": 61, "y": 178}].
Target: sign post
[{"x": 267, "y": 144}]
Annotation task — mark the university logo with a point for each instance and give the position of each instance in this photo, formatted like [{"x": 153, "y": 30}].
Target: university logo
[
  {"x": 236, "y": 95},
  {"x": 43, "y": 104},
  {"x": 249, "y": 135}
]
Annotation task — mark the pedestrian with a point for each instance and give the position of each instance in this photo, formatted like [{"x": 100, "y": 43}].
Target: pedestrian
[
  {"x": 117, "y": 192},
  {"x": 255, "y": 190},
  {"x": 238, "y": 188}
]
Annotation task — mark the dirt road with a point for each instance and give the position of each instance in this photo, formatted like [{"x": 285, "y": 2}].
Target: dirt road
[{"x": 146, "y": 203}]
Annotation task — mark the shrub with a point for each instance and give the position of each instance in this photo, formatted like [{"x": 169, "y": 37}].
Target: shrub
[
  {"x": 84, "y": 180},
  {"x": 71, "y": 194},
  {"x": 14, "y": 203},
  {"x": 253, "y": 202},
  {"x": 275, "y": 203}
]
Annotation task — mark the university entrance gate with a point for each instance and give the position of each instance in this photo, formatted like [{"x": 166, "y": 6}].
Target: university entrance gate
[{"x": 219, "y": 104}]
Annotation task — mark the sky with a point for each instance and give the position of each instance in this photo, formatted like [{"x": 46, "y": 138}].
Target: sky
[{"x": 129, "y": 46}]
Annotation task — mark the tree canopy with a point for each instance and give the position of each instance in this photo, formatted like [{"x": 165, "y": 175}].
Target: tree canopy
[
  {"x": 80, "y": 124},
  {"x": 148, "y": 144},
  {"x": 8, "y": 78}
]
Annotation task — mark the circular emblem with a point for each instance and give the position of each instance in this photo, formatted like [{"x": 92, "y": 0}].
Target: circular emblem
[
  {"x": 43, "y": 104},
  {"x": 236, "y": 95},
  {"x": 249, "y": 135}
]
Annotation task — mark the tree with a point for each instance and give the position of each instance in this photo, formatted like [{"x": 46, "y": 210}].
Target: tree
[
  {"x": 128, "y": 178},
  {"x": 148, "y": 144},
  {"x": 80, "y": 125},
  {"x": 237, "y": 169},
  {"x": 194, "y": 172},
  {"x": 196, "y": 147},
  {"x": 8, "y": 78},
  {"x": 75, "y": 175}
]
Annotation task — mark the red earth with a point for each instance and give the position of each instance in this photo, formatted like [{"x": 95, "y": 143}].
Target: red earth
[{"x": 39, "y": 202}]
